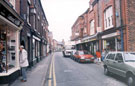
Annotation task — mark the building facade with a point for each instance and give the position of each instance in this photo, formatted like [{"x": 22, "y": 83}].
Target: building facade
[
  {"x": 33, "y": 34},
  {"x": 23, "y": 22},
  {"x": 128, "y": 24},
  {"x": 110, "y": 25}
]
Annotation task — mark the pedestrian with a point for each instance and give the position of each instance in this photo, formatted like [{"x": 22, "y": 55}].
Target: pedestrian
[
  {"x": 98, "y": 55},
  {"x": 23, "y": 63},
  {"x": 103, "y": 54}
]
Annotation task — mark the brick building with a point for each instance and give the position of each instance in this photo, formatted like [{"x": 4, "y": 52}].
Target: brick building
[
  {"x": 33, "y": 34},
  {"x": 128, "y": 17},
  {"x": 110, "y": 25},
  {"x": 79, "y": 29},
  {"x": 25, "y": 23}
]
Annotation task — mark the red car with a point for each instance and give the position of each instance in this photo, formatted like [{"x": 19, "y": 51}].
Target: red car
[{"x": 83, "y": 56}]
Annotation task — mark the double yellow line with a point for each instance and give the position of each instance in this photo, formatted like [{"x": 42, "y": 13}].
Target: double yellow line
[{"x": 52, "y": 73}]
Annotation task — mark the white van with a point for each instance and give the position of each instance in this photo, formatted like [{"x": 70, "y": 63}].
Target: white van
[{"x": 68, "y": 50}]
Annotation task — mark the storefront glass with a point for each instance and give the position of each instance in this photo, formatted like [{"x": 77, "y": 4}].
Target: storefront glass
[
  {"x": 34, "y": 50},
  {"x": 112, "y": 44},
  {"x": 38, "y": 49},
  {"x": 8, "y": 49}
]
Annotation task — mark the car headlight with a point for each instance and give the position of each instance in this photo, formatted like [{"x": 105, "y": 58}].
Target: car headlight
[{"x": 82, "y": 57}]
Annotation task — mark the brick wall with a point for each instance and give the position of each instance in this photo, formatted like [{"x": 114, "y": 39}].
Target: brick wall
[
  {"x": 17, "y": 6},
  {"x": 131, "y": 24}
]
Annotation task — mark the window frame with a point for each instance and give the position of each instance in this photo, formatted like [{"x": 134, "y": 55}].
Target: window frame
[
  {"x": 28, "y": 13},
  {"x": 13, "y": 3},
  {"x": 92, "y": 27},
  {"x": 119, "y": 59},
  {"x": 109, "y": 58},
  {"x": 108, "y": 18}
]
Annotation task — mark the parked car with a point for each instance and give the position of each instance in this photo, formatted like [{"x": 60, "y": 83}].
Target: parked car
[
  {"x": 83, "y": 56},
  {"x": 122, "y": 64}
]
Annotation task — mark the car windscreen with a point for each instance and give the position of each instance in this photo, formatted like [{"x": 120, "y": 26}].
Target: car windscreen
[{"x": 129, "y": 57}]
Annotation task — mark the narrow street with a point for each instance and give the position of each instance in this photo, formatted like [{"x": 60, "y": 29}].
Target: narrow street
[{"x": 71, "y": 73}]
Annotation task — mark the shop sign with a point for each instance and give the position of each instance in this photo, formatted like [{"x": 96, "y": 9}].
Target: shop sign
[
  {"x": 109, "y": 35},
  {"x": 36, "y": 38},
  {"x": 92, "y": 40},
  {"x": 89, "y": 40}
]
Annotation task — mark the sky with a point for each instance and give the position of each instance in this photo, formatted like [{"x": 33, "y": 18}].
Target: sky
[{"x": 62, "y": 14}]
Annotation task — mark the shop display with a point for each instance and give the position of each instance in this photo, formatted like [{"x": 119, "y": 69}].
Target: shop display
[{"x": 7, "y": 50}]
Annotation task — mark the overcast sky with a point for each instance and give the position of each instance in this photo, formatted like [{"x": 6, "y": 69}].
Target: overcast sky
[{"x": 61, "y": 15}]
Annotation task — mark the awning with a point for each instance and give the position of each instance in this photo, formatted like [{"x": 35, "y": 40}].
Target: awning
[{"x": 90, "y": 38}]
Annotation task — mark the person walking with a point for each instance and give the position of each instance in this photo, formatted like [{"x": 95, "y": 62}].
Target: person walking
[
  {"x": 98, "y": 55},
  {"x": 103, "y": 54},
  {"x": 23, "y": 63}
]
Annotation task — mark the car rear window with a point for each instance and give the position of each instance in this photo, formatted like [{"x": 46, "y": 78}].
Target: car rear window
[{"x": 129, "y": 57}]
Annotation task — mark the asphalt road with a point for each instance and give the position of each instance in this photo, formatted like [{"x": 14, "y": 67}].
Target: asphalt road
[{"x": 71, "y": 73}]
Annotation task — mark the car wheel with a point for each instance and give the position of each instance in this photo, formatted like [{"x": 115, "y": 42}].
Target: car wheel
[
  {"x": 74, "y": 58},
  {"x": 78, "y": 61},
  {"x": 130, "y": 80},
  {"x": 106, "y": 72}
]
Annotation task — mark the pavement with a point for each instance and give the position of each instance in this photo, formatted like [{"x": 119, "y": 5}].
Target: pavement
[{"x": 37, "y": 75}]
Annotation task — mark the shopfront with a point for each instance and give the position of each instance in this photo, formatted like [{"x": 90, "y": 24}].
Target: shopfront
[
  {"x": 10, "y": 26},
  {"x": 91, "y": 43},
  {"x": 93, "y": 47},
  {"x": 111, "y": 42},
  {"x": 36, "y": 49},
  {"x": 44, "y": 48}
]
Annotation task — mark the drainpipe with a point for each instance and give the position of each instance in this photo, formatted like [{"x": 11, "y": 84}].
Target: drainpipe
[{"x": 121, "y": 29}]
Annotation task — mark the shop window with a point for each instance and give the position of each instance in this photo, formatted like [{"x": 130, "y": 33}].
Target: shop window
[
  {"x": 7, "y": 50},
  {"x": 34, "y": 50},
  {"x": 38, "y": 50}
]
